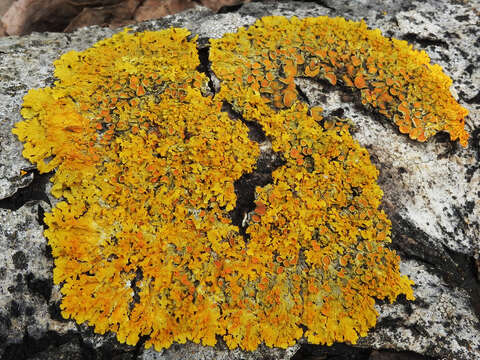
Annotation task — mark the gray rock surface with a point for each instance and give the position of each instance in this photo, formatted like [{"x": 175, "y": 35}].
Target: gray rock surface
[
  {"x": 25, "y": 274},
  {"x": 432, "y": 190},
  {"x": 198, "y": 352}
]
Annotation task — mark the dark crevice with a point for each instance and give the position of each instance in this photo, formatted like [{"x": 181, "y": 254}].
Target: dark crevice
[
  {"x": 255, "y": 131},
  {"x": 469, "y": 69},
  {"x": 139, "y": 347},
  {"x": 229, "y": 9},
  {"x": 245, "y": 186},
  {"x": 347, "y": 352},
  {"x": 302, "y": 96},
  {"x": 336, "y": 351},
  {"x": 245, "y": 191},
  {"x": 474, "y": 143},
  {"x": 204, "y": 67},
  {"x": 322, "y": 3},
  {"x": 41, "y": 217},
  {"x": 466, "y": 277},
  {"x": 456, "y": 269},
  {"x": 68, "y": 39},
  {"x": 87, "y": 351},
  {"x": 30, "y": 346},
  {"x": 48, "y": 252},
  {"x": 462, "y": 17},
  {"x": 36, "y": 190},
  {"x": 474, "y": 100},
  {"x": 451, "y": 147},
  {"x": 135, "y": 288},
  {"x": 39, "y": 287},
  {"x": 415, "y": 244},
  {"x": 102, "y": 346},
  {"x": 424, "y": 42},
  {"x": 55, "y": 312},
  {"x": 14, "y": 309},
  {"x": 339, "y": 113},
  {"x": 460, "y": 214}
]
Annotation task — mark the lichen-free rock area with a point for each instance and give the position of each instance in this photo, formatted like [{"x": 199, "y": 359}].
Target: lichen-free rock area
[{"x": 431, "y": 193}]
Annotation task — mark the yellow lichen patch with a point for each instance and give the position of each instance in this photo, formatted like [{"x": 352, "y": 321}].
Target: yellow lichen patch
[
  {"x": 145, "y": 165},
  {"x": 386, "y": 72},
  {"x": 320, "y": 231}
]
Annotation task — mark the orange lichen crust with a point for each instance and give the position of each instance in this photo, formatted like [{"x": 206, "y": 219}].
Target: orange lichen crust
[
  {"x": 317, "y": 230},
  {"x": 146, "y": 165},
  {"x": 143, "y": 243},
  {"x": 391, "y": 77}
]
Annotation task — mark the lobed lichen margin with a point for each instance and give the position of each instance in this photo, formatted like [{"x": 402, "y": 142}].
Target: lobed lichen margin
[
  {"x": 145, "y": 162},
  {"x": 390, "y": 76}
]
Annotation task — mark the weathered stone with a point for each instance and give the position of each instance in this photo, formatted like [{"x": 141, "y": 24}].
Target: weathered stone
[
  {"x": 26, "y": 284},
  {"x": 198, "y": 352},
  {"x": 432, "y": 190}
]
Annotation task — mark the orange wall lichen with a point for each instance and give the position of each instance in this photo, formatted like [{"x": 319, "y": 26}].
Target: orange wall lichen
[
  {"x": 317, "y": 231},
  {"x": 146, "y": 162},
  {"x": 392, "y": 78}
]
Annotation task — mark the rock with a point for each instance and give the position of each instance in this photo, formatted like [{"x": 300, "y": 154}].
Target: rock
[
  {"x": 431, "y": 191},
  {"x": 198, "y": 352},
  {"x": 154, "y": 9},
  {"x": 26, "y": 285},
  {"x": 26, "y": 16}
]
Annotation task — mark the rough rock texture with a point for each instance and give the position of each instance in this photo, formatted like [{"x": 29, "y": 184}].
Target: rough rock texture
[{"x": 432, "y": 192}]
